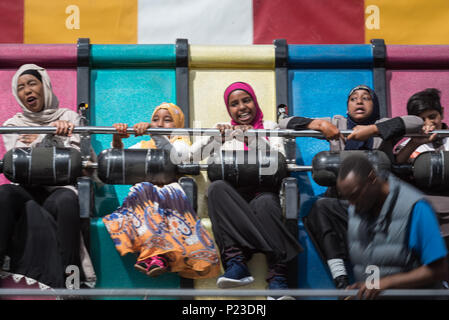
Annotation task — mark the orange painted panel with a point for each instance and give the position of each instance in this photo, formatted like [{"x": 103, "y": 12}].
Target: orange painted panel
[
  {"x": 64, "y": 21},
  {"x": 407, "y": 21}
]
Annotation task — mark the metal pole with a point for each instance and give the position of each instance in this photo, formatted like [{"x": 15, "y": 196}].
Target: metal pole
[
  {"x": 290, "y": 167},
  {"x": 161, "y": 131},
  {"x": 193, "y": 131},
  {"x": 221, "y": 293}
]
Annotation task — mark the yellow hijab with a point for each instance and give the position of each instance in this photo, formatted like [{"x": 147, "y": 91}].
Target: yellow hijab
[{"x": 178, "y": 117}]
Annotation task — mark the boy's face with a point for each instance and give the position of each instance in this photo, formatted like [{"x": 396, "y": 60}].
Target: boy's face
[{"x": 432, "y": 118}]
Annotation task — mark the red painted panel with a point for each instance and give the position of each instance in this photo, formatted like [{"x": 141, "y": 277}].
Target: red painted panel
[
  {"x": 11, "y": 21},
  {"x": 309, "y": 21}
]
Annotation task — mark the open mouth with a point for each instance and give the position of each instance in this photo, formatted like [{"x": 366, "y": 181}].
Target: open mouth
[
  {"x": 31, "y": 100},
  {"x": 245, "y": 116},
  {"x": 359, "y": 110}
]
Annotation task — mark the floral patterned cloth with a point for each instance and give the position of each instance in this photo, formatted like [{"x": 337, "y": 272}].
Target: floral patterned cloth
[{"x": 154, "y": 221}]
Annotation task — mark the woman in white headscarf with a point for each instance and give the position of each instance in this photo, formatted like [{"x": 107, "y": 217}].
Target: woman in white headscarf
[
  {"x": 39, "y": 225},
  {"x": 32, "y": 89}
]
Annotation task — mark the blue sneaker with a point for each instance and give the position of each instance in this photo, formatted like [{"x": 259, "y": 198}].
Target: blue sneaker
[
  {"x": 278, "y": 283},
  {"x": 236, "y": 275}
]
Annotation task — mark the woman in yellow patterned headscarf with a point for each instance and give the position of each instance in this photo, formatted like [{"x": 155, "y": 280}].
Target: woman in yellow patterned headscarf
[
  {"x": 166, "y": 115},
  {"x": 159, "y": 223}
]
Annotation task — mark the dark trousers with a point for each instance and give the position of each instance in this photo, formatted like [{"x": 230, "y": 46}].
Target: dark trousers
[
  {"x": 40, "y": 230},
  {"x": 242, "y": 228},
  {"x": 327, "y": 225}
]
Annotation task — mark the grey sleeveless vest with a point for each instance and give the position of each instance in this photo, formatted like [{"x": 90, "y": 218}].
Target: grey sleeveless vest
[{"x": 387, "y": 247}]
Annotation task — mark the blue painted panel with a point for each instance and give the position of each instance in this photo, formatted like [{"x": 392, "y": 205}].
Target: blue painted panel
[
  {"x": 318, "y": 93},
  {"x": 127, "y": 96},
  {"x": 320, "y": 78},
  {"x": 330, "y": 56},
  {"x": 314, "y": 274}
]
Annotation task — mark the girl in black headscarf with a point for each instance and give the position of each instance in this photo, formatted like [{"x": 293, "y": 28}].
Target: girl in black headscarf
[
  {"x": 327, "y": 220},
  {"x": 369, "y": 131},
  {"x": 363, "y": 109}
]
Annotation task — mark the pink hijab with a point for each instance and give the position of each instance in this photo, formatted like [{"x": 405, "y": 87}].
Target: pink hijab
[{"x": 258, "y": 119}]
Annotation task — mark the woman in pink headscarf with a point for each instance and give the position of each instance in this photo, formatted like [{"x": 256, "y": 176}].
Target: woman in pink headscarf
[{"x": 248, "y": 220}]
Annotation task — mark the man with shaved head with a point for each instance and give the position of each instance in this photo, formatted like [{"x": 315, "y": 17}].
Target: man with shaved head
[{"x": 392, "y": 229}]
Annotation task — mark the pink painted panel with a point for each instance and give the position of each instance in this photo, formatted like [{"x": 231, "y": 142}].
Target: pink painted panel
[
  {"x": 47, "y": 55},
  {"x": 412, "y": 68},
  {"x": 404, "y": 83},
  {"x": 60, "y": 62},
  {"x": 417, "y": 57}
]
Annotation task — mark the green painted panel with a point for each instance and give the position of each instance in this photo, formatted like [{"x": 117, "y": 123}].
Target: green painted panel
[
  {"x": 113, "y": 56},
  {"x": 127, "y": 96},
  {"x": 114, "y": 271}
]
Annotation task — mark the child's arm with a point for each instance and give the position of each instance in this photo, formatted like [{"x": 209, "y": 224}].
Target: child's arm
[
  {"x": 406, "y": 152},
  {"x": 121, "y": 133},
  {"x": 404, "y": 155},
  {"x": 330, "y": 131},
  {"x": 388, "y": 129}
]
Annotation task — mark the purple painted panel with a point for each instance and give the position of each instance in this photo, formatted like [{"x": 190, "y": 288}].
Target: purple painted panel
[
  {"x": 60, "y": 62},
  {"x": 417, "y": 57}
]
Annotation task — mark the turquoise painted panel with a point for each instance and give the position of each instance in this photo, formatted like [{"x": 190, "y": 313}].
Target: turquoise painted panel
[
  {"x": 142, "y": 55},
  {"x": 114, "y": 271},
  {"x": 127, "y": 96}
]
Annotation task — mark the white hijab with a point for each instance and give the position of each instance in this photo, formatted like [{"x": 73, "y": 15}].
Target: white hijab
[{"x": 50, "y": 113}]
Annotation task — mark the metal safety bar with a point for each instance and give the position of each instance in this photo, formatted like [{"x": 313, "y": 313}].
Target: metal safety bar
[
  {"x": 204, "y": 166},
  {"x": 194, "y": 131},
  {"x": 437, "y": 293}
]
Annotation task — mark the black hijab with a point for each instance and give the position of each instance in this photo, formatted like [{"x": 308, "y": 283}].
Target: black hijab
[{"x": 375, "y": 115}]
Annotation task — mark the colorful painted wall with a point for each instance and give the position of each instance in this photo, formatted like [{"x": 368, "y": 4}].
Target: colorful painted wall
[
  {"x": 134, "y": 64},
  {"x": 239, "y": 22}
]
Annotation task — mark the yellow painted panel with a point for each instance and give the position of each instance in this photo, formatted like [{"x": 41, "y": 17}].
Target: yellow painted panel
[
  {"x": 64, "y": 21},
  {"x": 207, "y": 107},
  {"x": 407, "y": 21},
  {"x": 248, "y": 57},
  {"x": 207, "y": 87}
]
